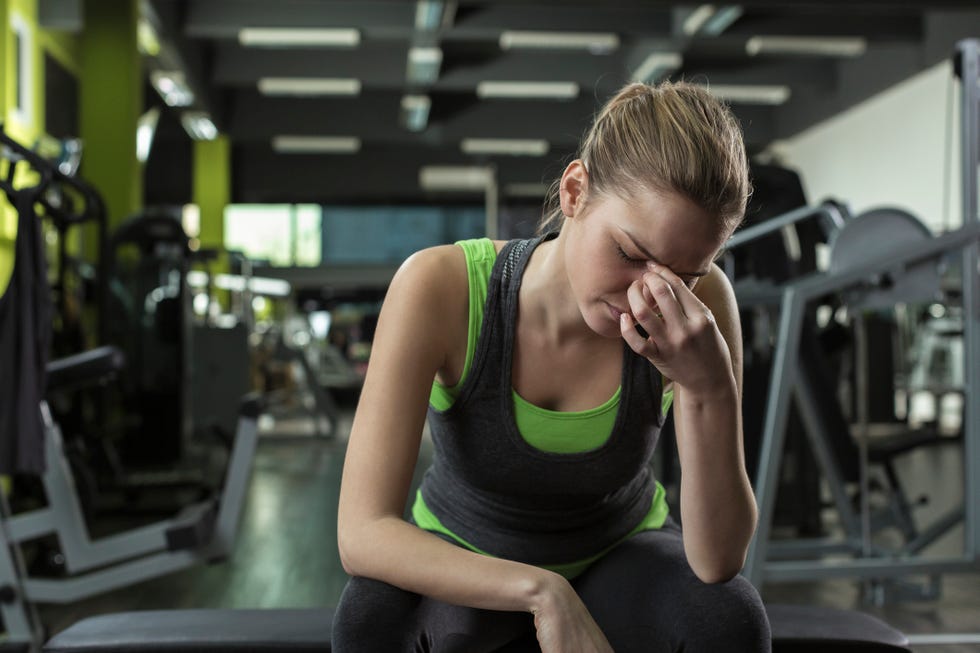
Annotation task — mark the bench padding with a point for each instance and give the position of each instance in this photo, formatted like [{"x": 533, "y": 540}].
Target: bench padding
[{"x": 795, "y": 629}]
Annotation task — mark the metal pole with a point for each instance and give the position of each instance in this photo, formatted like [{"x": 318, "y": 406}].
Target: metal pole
[{"x": 968, "y": 52}]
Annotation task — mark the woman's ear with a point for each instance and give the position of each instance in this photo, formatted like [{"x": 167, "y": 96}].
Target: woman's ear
[{"x": 574, "y": 183}]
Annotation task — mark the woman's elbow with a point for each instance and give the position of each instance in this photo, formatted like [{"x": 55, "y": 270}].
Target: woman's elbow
[
  {"x": 717, "y": 574},
  {"x": 718, "y": 565},
  {"x": 351, "y": 553}
]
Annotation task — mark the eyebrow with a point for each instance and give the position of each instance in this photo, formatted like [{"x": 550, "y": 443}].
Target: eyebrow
[{"x": 653, "y": 258}]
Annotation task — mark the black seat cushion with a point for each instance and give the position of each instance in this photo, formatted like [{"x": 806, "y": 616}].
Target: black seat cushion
[{"x": 808, "y": 629}]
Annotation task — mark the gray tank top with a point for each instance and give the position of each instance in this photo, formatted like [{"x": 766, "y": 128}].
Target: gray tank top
[{"x": 495, "y": 491}]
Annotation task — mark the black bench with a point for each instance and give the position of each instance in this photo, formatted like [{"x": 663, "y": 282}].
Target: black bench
[{"x": 795, "y": 629}]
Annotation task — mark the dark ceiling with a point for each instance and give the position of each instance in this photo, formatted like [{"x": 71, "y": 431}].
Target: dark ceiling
[{"x": 900, "y": 38}]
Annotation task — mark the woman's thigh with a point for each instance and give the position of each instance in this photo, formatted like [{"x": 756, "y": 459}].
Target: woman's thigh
[
  {"x": 375, "y": 616},
  {"x": 645, "y": 597}
]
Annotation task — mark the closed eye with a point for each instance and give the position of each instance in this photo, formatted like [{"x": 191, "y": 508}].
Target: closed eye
[{"x": 638, "y": 262}]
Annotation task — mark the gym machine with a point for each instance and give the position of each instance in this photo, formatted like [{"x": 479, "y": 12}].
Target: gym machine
[
  {"x": 878, "y": 259},
  {"x": 202, "y": 532}
]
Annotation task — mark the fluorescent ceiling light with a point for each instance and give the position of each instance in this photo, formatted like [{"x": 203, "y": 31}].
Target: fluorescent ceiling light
[
  {"x": 198, "y": 125},
  {"x": 146, "y": 127},
  {"x": 309, "y": 86},
  {"x": 548, "y": 90},
  {"x": 311, "y": 144},
  {"x": 749, "y": 94},
  {"x": 423, "y": 64},
  {"x": 429, "y": 15},
  {"x": 172, "y": 87},
  {"x": 696, "y": 19},
  {"x": 415, "y": 112},
  {"x": 656, "y": 66},
  {"x": 299, "y": 37},
  {"x": 595, "y": 42},
  {"x": 710, "y": 20},
  {"x": 455, "y": 177},
  {"x": 147, "y": 39},
  {"x": 527, "y": 189},
  {"x": 825, "y": 46},
  {"x": 509, "y": 146}
]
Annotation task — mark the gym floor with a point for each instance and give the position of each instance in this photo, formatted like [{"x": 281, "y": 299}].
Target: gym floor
[{"x": 286, "y": 555}]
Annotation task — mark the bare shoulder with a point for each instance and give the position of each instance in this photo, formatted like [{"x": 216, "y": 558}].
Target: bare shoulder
[
  {"x": 715, "y": 290},
  {"x": 436, "y": 272}
]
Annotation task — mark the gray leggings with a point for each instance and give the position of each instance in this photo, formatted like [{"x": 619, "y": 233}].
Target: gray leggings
[{"x": 643, "y": 595}]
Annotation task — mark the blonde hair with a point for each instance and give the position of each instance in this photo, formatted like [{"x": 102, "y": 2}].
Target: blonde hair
[{"x": 673, "y": 137}]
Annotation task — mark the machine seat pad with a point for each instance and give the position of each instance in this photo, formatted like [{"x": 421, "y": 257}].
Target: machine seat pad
[{"x": 808, "y": 629}]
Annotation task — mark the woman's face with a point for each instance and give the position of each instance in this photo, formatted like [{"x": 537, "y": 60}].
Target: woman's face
[{"x": 611, "y": 242}]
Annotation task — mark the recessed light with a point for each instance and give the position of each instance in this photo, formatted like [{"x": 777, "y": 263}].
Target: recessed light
[
  {"x": 316, "y": 144},
  {"x": 507, "y": 146},
  {"x": 299, "y": 37},
  {"x": 546, "y": 90},
  {"x": 308, "y": 86}
]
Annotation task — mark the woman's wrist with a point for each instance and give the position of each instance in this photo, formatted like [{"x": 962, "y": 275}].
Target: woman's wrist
[{"x": 542, "y": 590}]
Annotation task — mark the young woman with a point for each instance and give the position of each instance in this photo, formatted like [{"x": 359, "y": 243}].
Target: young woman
[{"x": 545, "y": 368}]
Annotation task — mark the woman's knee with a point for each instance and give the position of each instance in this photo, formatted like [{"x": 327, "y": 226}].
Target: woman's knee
[
  {"x": 370, "y": 613},
  {"x": 725, "y": 616}
]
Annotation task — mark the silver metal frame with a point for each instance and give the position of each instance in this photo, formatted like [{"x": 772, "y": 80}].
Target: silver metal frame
[
  {"x": 784, "y": 380},
  {"x": 111, "y": 562}
]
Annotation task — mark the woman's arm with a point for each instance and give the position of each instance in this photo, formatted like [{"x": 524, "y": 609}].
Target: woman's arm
[
  {"x": 424, "y": 313},
  {"x": 698, "y": 345}
]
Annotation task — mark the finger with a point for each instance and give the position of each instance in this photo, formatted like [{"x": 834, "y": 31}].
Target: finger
[
  {"x": 664, "y": 298},
  {"x": 644, "y": 310},
  {"x": 642, "y": 346},
  {"x": 686, "y": 299}
]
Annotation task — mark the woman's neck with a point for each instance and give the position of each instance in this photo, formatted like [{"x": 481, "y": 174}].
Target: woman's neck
[{"x": 546, "y": 302}]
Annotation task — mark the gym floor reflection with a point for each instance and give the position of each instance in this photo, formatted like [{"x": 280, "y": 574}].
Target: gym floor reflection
[{"x": 286, "y": 554}]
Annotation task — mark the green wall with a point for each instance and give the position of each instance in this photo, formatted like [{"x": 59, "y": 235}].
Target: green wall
[{"x": 110, "y": 104}]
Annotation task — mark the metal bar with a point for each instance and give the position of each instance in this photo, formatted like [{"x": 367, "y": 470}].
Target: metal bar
[
  {"x": 810, "y": 548},
  {"x": 236, "y": 486},
  {"x": 816, "y": 431},
  {"x": 781, "y": 382},
  {"x": 30, "y": 525},
  {"x": 775, "y": 224},
  {"x": 864, "y": 568},
  {"x": 18, "y": 617},
  {"x": 68, "y": 590},
  {"x": 936, "y": 529},
  {"x": 969, "y": 53}
]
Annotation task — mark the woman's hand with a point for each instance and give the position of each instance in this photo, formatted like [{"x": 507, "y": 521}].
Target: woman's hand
[
  {"x": 683, "y": 340},
  {"x": 563, "y": 623}
]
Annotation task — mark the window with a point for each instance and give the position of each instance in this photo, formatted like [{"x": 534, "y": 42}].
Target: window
[
  {"x": 23, "y": 85},
  {"x": 280, "y": 234}
]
